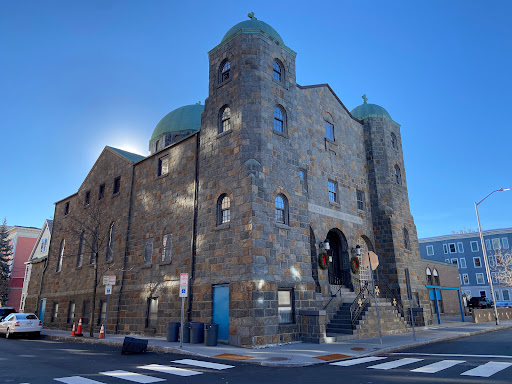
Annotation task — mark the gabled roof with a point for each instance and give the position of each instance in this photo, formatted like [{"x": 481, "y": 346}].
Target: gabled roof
[
  {"x": 131, "y": 157},
  {"x": 47, "y": 224}
]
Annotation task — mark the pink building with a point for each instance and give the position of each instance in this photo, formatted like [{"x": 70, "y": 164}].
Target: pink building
[{"x": 22, "y": 240}]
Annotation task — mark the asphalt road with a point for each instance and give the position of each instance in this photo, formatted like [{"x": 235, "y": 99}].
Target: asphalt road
[{"x": 465, "y": 360}]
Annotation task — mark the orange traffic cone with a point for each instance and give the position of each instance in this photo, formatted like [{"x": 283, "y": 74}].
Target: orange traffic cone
[
  {"x": 102, "y": 332},
  {"x": 73, "y": 330},
  {"x": 79, "y": 329}
]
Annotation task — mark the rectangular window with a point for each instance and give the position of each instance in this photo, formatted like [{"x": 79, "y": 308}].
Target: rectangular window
[
  {"x": 148, "y": 251},
  {"x": 85, "y": 312},
  {"x": 303, "y": 174},
  {"x": 447, "y": 261},
  {"x": 456, "y": 262},
  {"x": 506, "y": 295},
  {"x": 87, "y": 200},
  {"x": 460, "y": 247},
  {"x": 44, "y": 243},
  {"x": 117, "y": 185},
  {"x": 480, "y": 278},
  {"x": 496, "y": 243},
  {"x": 285, "y": 306},
  {"x": 333, "y": 191},
  {"x": 465, "y": 278},
  {"x": 488, "y": 244},
  {"x": 452, "y": 248},
  {"x": 103, "y": 313},
  {"x": 474, "y": 246},
  {"x": 167, "y": 248},
  {"x": 360, "y": 200},
  {"x": 152, "y": 316},
  {"x": 504, "y": 241},
  {"x": 494, "y": 277},
  {"x": 55, "y": 312},
  {"x": 101, "y": 192},
  {"x": 71, "y": 312},
  {"x": 445, "y": 248},
  {"x": 430, "y": 250},
  {"x": 329, "y": 131},
  {"x": 477, "y": 262},
  {"x": 497, "y": 294},
  {"x": 492, "y": 260},
  {"x": 462, "y": 262},
  {"x": 483, "y": 293},
  {"x": 66, "y": 208},
  {"x": 163, "y": 166}
]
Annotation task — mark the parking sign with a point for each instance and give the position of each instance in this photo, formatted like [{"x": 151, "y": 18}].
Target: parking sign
[{"x": 183, "y": 284}]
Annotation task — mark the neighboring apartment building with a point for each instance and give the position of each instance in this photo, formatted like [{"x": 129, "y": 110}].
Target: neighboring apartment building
[
  {"x": 464, "y": 250},
  {"x": 39, "y": 253},
  {"x": 22, "y": 240}
]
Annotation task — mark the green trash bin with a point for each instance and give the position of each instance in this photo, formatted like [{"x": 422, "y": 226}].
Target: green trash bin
[{"x": 211, "y": 334}]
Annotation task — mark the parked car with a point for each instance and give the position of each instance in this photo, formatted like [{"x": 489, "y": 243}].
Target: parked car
[
  {"x": 21, "y": 323},
  {"x": 6, "y": 311},
  {"x": 479, "y": 302},
  {"x": 504, "y": 304}
]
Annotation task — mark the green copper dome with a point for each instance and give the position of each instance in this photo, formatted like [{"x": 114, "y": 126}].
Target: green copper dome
[
  {"x": 253, "y": 25},
  {"x": 187, "y": 118},
  {"x": 369, "y": 110}
]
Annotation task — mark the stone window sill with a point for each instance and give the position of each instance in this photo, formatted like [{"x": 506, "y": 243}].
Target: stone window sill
[
  {"x": 283, "y": 226},
  {"x": 165, "y": 262},
  {"x": 334, "y": 204},
  {"x": 222, "y": 227},
  {"x": 116, "y": 194},
  {"x": 220, "y": 85},
  {"x": 282, "y": 134},
  {"x": 162, "y": 176},
  {"x": 280, "y": 83},
  {"x": 222, "y": 134},
  {"x": 146, "y": 265}
]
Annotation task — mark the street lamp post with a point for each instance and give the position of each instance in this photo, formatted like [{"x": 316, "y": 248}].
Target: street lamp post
[{"x": 486, "y": 262}]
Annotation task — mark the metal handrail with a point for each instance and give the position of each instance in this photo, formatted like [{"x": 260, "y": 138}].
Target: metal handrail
[
  {"x": 360, "y": 303},
  {"x": 386, "y": 292}
]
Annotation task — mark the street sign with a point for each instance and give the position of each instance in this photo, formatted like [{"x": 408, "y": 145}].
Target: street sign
[
  {"x": 371, "y": 257},
  {"x": 183, "y": 284},
  {"x": 109, "y": 280},
  {"x": 108, "y": 289}
]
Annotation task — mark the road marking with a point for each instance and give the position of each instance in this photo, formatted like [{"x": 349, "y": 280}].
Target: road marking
[
  {"x": 487, "y": 369},
  {"x": 203, "y": 364},
  {"x": 27, "y": 355},
  {"x": 450, "y": 355},
  {"x": 132, "y": 376},
  {"x": 77, "y": 380},
  {"x": 362, "y": 360},
  {"x": 170, "y": 370},
  {"x": 439, "y": 366},
  {"x": 395, "y": 363}
]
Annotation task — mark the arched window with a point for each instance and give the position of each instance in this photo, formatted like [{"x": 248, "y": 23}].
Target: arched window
[
  {"x": 406, "y": 239},
  {"x": 80, "y": 258},
  {"x": 61, "y": 255},
  {"x": 429, "y": 276},
  {"x": 281, "y": 209},
  {"x": 223, "y": 209},
  {"x": 398, "y": 175},
  {"x": 224, "y": 119},
  {"x": 279, "y": 119},
  {"x": 110, "y": 244},
  {"x": 224, "y": 71},
  {"x": 393, "y": 140},
  {"x": 277, "y": 70},
  {"x": 436, "y": 277}
]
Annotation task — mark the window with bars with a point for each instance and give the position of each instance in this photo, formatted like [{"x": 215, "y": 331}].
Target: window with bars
[
  {"x": 281, "y": 209},
  {"x": 224, "y": 73},
  {"x": 277, "y": 70},
  {"x": 279, "y": 119},
  {"x": 167, "y": 248},
  {"x": 223, "y": 209},
  {"x": 332, "y": 187},
  {"x": 224, "y": 119}
]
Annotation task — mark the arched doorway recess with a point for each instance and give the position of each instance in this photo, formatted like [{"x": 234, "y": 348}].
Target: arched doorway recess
[{"x": 339, "y": 267}]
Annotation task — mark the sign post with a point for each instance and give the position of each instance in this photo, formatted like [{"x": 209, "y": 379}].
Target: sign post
[
  {"x": 373, "y": 257},
  {"x": 183, "y": 294},
  {"x": 409, "y": 296},
  {"x": 108, "y": 282}
]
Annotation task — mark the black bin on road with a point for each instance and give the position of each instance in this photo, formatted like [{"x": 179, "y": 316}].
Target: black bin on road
[
  {"x": 173, "y": 331},
  {"x": 133, "y": 345},
  {"x": 196, "y": 333},
  {"x": 211, "y": 334}
]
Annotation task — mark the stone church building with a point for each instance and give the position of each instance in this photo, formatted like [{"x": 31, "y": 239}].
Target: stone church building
[{"x": 244, "y": 194}]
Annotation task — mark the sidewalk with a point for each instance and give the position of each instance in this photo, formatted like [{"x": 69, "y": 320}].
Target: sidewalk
[{"x": 302, "y": 354}]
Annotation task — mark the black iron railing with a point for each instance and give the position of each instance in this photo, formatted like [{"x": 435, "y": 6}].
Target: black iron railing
[{"x": 360, "y": 303}]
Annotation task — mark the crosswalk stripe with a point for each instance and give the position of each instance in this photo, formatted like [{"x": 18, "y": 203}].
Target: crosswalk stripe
[
  {"x": 487, "y": 369},
  {"x": 77, "y": 380},
  {"x": 203, "y": 364},
  {"x": 170, "y": 370},
  {"x": 438, "y": 366},
  {"x": 362, "y": 360},
  {"x": 395, "y": 364},
  {"x": 132, "y": 376}
]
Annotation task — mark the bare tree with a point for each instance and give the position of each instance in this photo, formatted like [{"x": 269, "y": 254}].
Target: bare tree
[{"x": 500, "y": 263}]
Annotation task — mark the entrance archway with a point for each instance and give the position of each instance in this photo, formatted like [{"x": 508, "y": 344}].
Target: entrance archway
[{"x": 339, "y": 268}]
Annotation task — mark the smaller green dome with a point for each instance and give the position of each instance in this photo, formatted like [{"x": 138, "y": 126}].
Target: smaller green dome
[
  {"x": 253, "y": 25},
  {"x": 369, "y": 110},
  {"x": 187, "y": 118}
]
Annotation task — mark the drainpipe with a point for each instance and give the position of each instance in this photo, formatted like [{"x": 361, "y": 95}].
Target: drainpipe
[
  {"x": 125, "y": 258},
  {"x": 194, "y": 230}
]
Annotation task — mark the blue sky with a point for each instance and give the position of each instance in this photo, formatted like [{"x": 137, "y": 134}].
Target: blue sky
[{"x": 78, "y": 75}]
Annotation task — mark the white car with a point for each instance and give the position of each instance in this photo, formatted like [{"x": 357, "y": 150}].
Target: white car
[{"x": 21, "y": 323}]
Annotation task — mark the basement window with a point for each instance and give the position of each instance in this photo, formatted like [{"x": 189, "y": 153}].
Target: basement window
[{"x": 285, "y": 306}]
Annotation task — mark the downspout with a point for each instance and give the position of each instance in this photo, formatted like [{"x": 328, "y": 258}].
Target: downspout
[
  {"x": 125, "y": 259},
  {"x": 194, "y": 233},
  {"x": 45, "y": 264}
]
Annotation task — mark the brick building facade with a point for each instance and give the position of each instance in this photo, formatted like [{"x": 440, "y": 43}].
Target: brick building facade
[{"x": 240, "y": 194}]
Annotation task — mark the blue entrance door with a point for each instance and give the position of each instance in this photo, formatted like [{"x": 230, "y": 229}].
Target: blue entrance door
[
  {"x": 42, "y": 308},
  {"x": 221, "y": 309}
]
